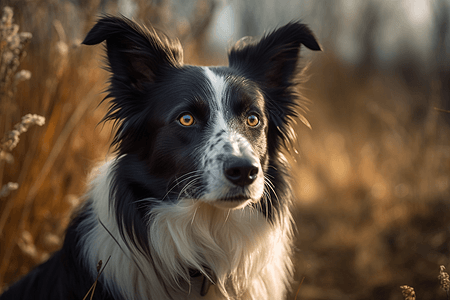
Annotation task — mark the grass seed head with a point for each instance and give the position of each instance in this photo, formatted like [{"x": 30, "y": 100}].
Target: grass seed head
[
  {"x": 22, "y": 75},
  {"x": 11, "y": 139},
  {"x": 444, "y": 279},
  {"x": 8, "y": 188},
  {"x": 99, "y": 266},
  {"x": 6, "y": 157},
  {"x": 408, "y": 292}
]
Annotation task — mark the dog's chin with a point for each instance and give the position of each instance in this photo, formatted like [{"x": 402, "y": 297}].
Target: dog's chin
[{"x": 234, "y": 203}]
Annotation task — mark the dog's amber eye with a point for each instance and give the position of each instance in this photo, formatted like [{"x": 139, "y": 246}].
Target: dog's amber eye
[
  {"x": 252, "y": 120},
  {"x": 186, "y": 120}
]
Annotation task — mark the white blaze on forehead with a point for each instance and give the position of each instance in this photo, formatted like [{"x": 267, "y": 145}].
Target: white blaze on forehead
[
  {"x": 219, "y": 111},
  {"x": 218, "y": 85}
]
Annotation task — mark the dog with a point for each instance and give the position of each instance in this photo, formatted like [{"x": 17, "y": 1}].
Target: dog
[{"x": 195, "y": 204}]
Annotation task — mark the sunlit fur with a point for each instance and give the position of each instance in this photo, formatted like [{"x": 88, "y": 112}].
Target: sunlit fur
[
  {"x": 182, "y": 204},
  {"x": 248, "y": 256}
]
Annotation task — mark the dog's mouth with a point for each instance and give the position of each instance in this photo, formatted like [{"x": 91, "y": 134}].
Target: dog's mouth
[{"x": 232, "y": 202}]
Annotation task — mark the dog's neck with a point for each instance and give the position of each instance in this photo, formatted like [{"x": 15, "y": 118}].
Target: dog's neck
[{"x": 228, "y": 247}]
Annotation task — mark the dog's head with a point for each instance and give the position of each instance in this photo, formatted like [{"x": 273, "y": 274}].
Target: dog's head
[{"x": 205, "y": 133}]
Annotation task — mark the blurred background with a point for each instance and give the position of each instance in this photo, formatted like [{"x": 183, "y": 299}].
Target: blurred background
[{"x": 372, "y": 177}]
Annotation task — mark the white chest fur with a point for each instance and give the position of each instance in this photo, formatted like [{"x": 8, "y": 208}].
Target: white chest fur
[{"x": 248, "y": 256}]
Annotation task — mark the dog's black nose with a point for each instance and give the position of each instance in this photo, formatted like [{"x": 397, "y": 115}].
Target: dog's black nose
[{"x": 241, "y": 171}]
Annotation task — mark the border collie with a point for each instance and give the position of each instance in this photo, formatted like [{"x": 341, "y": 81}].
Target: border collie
[{"x": 195, "y": 205}]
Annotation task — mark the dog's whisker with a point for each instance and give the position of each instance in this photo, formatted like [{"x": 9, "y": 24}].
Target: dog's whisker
[
  {"x": 186, "y": 177},
  {"x": 270, "y": 185},
  {"x": 181, "y": 181},
  {"x": 186, "y": 187},
  {"x": 144, "y": 200},
  {"x": 267, "y": 180},
  {"x": 265, "y": 199}
]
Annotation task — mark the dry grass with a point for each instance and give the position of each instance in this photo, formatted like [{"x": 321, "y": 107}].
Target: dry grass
[
  {"x": 372, "y": 178},
  {"x": 31, "y": 217}
]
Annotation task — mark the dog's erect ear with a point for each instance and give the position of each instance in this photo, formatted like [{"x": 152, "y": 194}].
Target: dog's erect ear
[
  {"x": 136, "y": 54},
  {"x": 137, "y": 57},
  {"x": 273, "y": 64},
  {"x": 273, "y": 60}
]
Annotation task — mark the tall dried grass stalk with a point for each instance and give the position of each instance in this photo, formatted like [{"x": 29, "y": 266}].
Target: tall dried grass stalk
[
  {"x": 12, "y": 45},
  {"x": 12, "y": 50}
]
